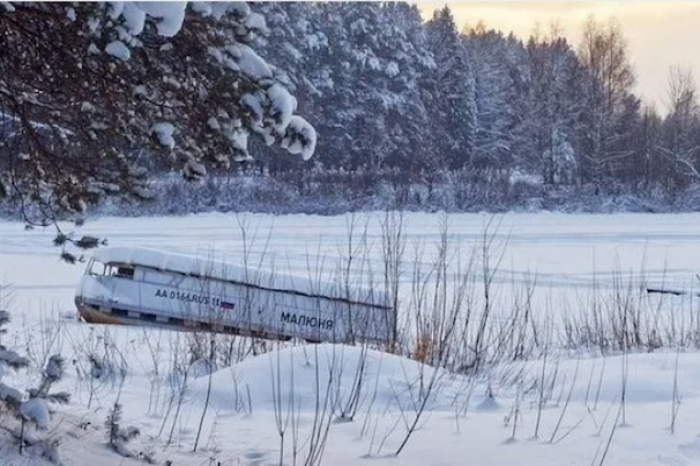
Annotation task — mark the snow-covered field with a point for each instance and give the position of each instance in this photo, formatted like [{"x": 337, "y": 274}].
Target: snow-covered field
[{"x": 304, "y": 390}]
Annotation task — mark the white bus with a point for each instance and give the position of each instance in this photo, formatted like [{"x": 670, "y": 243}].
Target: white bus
[{"x": 137, "y": 286}]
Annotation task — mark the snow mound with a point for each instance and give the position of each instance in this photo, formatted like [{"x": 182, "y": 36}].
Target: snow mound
[
  {"x": 300, "y": 138},
  {"x": 118, "y": 49},
  {"x": 37, "y": 410},
  {"x": 248, "y": 62},
  {"x": 283, "y": 105},
  {"x": 203, "y": 8},
  {"x": 171, "y": 15},
  {"x": 294, "y": 376},
  {"x": 134, "y": 17},
  {"x": 649, "y": 377},
  {"x": 256, "y": 21},
  {"x": 10, "y": 394},
  {"x": 488, "y": 403},
  {"x": 164, "y": 131}
]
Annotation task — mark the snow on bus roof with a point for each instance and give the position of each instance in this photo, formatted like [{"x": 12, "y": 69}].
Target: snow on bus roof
[{"x": 206, "y": 266}]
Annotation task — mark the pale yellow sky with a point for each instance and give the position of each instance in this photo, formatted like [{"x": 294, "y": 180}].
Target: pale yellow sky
[{"x": 660, "y": 34}]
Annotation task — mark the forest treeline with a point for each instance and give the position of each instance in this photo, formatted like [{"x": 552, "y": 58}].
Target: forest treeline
[
  {"x": 410, "y": 112},
  {"x": 387, "y": 91}
]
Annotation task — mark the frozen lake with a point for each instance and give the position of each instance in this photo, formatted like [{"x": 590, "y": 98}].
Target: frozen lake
[{"x": 563, "y": 253}]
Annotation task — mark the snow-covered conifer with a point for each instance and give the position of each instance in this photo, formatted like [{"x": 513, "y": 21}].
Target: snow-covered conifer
[{"x": 123, "y": 79}]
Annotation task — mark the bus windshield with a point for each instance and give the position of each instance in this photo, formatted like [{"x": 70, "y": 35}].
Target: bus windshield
[{"x": 95, "y": 268}]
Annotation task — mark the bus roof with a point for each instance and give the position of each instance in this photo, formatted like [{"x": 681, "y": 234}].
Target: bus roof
[{"x": 207, "y": 267}]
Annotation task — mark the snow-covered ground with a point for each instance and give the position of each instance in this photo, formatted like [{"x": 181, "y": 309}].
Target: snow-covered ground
[{"x": 304, "y": 390}]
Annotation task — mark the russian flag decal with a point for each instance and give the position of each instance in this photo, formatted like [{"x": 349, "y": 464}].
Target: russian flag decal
[{"x": 227, "y": 305}]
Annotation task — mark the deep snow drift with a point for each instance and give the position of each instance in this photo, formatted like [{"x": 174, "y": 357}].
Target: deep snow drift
[{"x": 366, "y": 401}]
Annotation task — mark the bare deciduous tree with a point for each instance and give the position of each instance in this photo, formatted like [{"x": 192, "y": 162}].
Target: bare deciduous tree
[
  {"x": 680, "y": 144},
  {"x": 604, "y": 53}
]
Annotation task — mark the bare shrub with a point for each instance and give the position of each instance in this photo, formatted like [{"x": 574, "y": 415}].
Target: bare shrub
[
  {"x": 307, "y": 446},
  {"x": 621, "y": 316}
]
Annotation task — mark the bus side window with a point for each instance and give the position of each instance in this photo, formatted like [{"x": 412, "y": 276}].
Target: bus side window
[
  {"x": 125, "y": 272},
  {"x": 120, "y": 271}
]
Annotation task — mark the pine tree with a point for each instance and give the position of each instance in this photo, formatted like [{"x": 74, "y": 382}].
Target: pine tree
[
  {"x": 452, "y": 93},
  {"x": 117, "y": 436},
  {"x": 369, "y": 106},
  {"x": 494, "y": 60},
  {"x": 32, "y": 409},
  {"x": 11, "y": 399},
  {"x": 294, "y": 44},
  {"x": 91, "y": 93}
]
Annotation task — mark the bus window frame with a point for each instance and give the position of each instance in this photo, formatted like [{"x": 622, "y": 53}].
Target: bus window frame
[
  {"x": 116, "y": 268},
  {"x": 91, "y": 268}
]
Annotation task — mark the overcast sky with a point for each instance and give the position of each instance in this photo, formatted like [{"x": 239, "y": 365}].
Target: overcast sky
[{"x": 660, "y": 34}]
